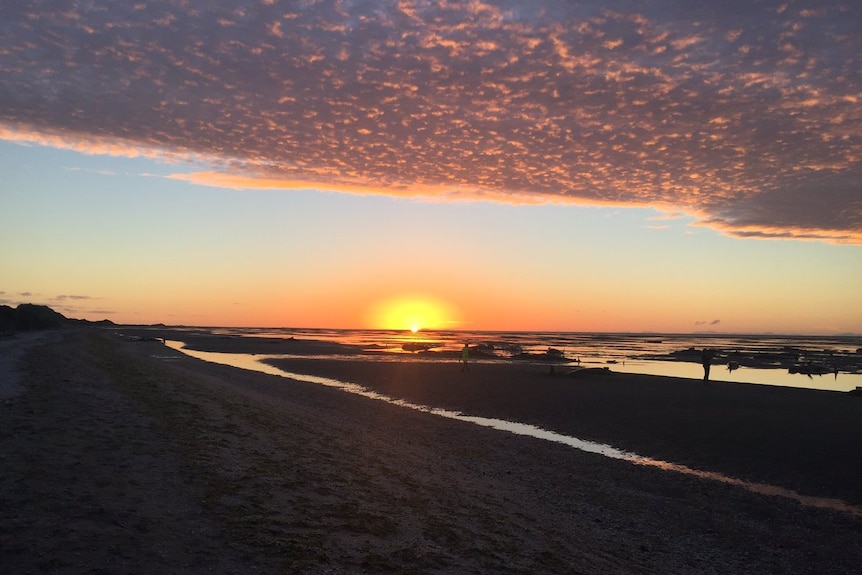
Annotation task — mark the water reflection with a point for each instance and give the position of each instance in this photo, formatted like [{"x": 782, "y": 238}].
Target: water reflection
[
  {"x": 769, "y": 376},
  {"x": 254, "y": 363},
  {"x": 650, "y": 354}
]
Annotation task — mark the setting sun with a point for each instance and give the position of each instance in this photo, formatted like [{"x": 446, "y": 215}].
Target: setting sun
[{"x": 413, "y": 313}]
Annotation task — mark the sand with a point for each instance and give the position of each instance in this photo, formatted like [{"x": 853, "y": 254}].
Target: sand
[
  {"x": 124, "y": 456},
  {"x": 798, "y": 439},
  {"x": 11, "y": 349}
]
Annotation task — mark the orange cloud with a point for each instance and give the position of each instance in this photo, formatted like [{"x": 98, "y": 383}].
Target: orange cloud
[
  {"x": 696, "y": 109},
  {"x": 84, "y": 143}
]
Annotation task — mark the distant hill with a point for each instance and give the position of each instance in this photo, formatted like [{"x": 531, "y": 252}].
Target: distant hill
[{"x": 29, "y": 317}]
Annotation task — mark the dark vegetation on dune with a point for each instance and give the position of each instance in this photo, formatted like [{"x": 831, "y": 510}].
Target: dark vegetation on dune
[{"x": 32, "y": 317}]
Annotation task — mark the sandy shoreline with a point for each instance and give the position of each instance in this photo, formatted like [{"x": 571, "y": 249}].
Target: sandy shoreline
[
  {"x": 798, "y": 439},
  {"x": 126, "y": 456},
  {"x": 795, "y": 438}
]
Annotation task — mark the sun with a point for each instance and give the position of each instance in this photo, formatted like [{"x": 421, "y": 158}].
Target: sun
[{"x": 413, "y": 313}]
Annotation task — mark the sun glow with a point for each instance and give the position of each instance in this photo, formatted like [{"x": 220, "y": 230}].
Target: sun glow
[{"x": 412, "y": 313}]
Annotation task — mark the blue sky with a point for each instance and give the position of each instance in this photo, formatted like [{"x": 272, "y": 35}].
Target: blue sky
[{"x": 94, "y": 238}]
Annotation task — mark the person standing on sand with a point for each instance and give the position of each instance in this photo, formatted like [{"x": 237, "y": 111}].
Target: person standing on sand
[
  {"x": 465, "y": 358},
  {"x": 706, "y": 357}
]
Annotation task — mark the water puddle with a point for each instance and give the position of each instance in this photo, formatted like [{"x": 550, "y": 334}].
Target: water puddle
[{"x": 254, "y": 363}]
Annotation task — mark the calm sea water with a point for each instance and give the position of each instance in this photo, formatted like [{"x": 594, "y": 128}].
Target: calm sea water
[{"x": 762, "y": 359}]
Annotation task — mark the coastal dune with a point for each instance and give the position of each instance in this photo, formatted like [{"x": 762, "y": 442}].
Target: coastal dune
[{"x": 127, "y": 456}]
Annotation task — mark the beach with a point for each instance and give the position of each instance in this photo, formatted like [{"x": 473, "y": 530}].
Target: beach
[
  {"x": 122, "y": 455},
  {"x": 796, "y": 438}
]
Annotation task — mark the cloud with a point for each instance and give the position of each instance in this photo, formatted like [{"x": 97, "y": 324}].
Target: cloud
[
  {"x": 706, "y": 322},
  {"x": 73, "y": 306},
  {"x": 744, "y": 115},
  {"x": 667, "y": 217}
]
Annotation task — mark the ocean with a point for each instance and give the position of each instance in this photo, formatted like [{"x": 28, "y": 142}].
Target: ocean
[{"x": 815, "y": 362}]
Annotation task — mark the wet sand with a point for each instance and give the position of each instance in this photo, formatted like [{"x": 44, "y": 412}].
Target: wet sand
[
  {"x": 125, "y": 456},
  {"x": 799, "y": 439}
]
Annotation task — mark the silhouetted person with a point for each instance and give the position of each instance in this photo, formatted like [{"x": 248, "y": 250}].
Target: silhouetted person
[
  {"x": 465, "y": 358},
  {"x": 706, "y": 357}
]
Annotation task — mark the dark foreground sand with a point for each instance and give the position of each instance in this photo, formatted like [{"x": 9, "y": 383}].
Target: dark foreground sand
[
  {"x": 125, "y": 457},
  {"x": 809, "y": 441}
]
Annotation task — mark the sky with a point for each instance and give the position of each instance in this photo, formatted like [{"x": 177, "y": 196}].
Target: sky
[{"x": 663, "y": 166}]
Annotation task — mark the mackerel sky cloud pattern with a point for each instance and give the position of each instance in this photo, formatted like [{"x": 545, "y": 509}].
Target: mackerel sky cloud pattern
[{"x": 746, "y": 115}]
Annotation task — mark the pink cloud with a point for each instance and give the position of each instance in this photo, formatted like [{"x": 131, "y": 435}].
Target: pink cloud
[{"x": 743, "y": 115}]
